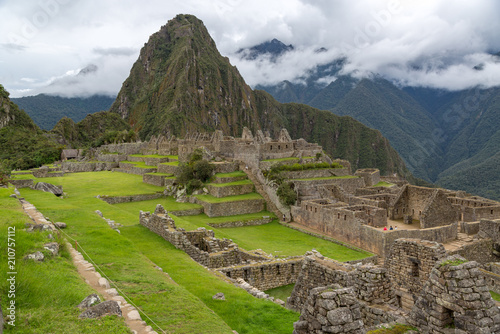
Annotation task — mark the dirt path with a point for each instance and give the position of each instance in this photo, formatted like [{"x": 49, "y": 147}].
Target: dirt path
[{"x": 94, "y": 278}]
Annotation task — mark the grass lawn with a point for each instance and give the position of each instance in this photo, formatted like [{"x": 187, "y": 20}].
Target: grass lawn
[
  {"x": 212, "y": 199},
  {"x": 168, "y": 203},
  {"x": 328, "y": 178},
  {"x": 46, "y": 292},
  {"x": 495, "y": 296},
  {"x": 237, "y": 173},
  {"x": 236, "y": 183},
  {"x": 383, "y": 184},
  {"x": 171, "y": 163},
  {"x": 173, "y": 157},
  {"x": 282, "y": 292}
]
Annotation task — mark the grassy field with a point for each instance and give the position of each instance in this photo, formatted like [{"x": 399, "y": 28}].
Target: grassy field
[
  {"x": 282, "y": 292},
  {"x": 232, "y": 174},
  {"x": 129, "y": 259},
  {"x": 235, "y": 183}
]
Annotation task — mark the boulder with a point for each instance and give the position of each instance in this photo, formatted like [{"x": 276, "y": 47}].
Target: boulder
[
  {"x": 50, "y": 188},
  {"x": 53, "y": 247},
  {"x": 40, "y": 227},
  {"x": 37, "y": 256},
  {"x": 107, "y": 307},
  {"x": 60, "y": 225},
  {"x": 89, "y": 301},
  {"x": 219, "y": 296}
]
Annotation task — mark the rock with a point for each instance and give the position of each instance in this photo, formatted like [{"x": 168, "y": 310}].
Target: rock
[
  {"x": 50, "y": 236},
  {"x": 159, "y": 209},
  {"x": 60, "y": 225},
  {"x": 89, "y": 301},
  {"x": 103, "y": 283},
  {"x": 107, "y": 307},
  {"x": 37, "y": 256},
  {"x": 41, "y": 227},
  {"x": 134, "y": 315},
  {"x": 279, "y": 302},
  {"x": 50, "y": 188},
  {"x": 112, "y": 292},
  {"x": 219, "y": 296},
  {"x": 99, "y": 213},
  {"x": 53, "y": 247}
]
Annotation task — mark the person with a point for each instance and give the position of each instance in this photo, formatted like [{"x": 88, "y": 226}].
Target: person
[
  {"x": 385, "y": 228},
  {"x": 395, "y": 227},
  {"x": 391, "y": 228},
  {"x": 284, "y": 217}
]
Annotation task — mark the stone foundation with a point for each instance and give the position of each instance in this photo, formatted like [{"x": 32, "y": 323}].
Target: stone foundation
[
  {"x": 232, "y": 208},
  {"x": 131, "y": 198},
  {"x": 230, "y": 190}
]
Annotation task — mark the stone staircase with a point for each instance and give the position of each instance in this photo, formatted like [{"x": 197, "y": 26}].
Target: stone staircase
[
  {"x": 259, "y": 189},
  {"x": 462, "y": 239}
]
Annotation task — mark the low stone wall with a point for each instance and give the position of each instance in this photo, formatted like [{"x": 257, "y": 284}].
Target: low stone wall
[
  {"x": 469, "y": 228},
  {"x": 492, "y": 277},
  {"x": 112, "y": 157},
  {"x": 225, "y": 167},
  {"x": 320, "y": 172},
  {"x": 167, "y": 169},
  {"x": 480, "y": 251},
  {"x": 190, "y": 212},
  {"x": 22, "y": 183},
  {"x": 230, "y": 190},
  {"x": 124, "y": 148},
  {"x": 265, "y": 276},
  {"x": 232, "y": 208},
  {"x": 77, "y": 167},
  {"x": 229, "y": 179},
  {"x": 157, "y": 180},
  {"x": 150, "y": 161},
  {"x": 240, "y": 223},
  {"x": 131, "y": 198},
  {"x": 54, "y": 174}
]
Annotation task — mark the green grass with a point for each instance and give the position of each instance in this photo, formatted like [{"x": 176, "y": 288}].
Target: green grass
[
  {"x": 282, "y": 292},
  {"x": 394, "y": 329},
  {"x": 140, "y": 164},
  {"x": 212, "y": 199},
  {"x": 193, "y": 222},
  {"x": 495, "y": 296},
  {"x": 22, "y": 176},
  {"x": 40, "y": 307},
  {"x": 168, "y": 175},
  {"x": 154, "y": 156},
  {"x": 383, "y": 184},
  {"x": 328, "y": 178},
  {"x": 237, "y": 173},
  {"x": 168, "y": 203},
  {"x": 236, "y": 183},
  {"x": 171, "y": 163},
  {"x": 281, "y": 159}
]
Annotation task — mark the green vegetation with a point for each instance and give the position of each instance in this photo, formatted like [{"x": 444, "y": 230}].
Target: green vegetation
[
  {"x": 138, "y": 164},
  {"x": 237, "y": 173},
  {"x": 195, "y": 172},
  {"x": 41, "y": 308},
  {"x": 168, "y": 203},
  {"x": 235, "y": 183},
  {"x": 383, "y": 184},
  {"x": 328, "y": 178},
  {"x": 173, "y": 157},
  {"x": 281, "y": 159},
  {"x": 170, "y": 163},
  {"x": 286, "y": 193},
  {"x": 453, "y": 263},
  {"x": 495, "y": 296},
  {"x": 212, "y": 199},
  {"x": 47, "y": 110},
  {"x": 282, "y": 292}
]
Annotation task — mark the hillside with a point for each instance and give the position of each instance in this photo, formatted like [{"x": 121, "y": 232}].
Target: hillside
[
  {"x": 22, "y": 143},
  {"x": 47, "y": 110},
  {"x": 181, "y": 84}
]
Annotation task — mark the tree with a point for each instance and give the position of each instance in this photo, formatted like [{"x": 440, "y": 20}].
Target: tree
[{"x": 286, "y": 193}]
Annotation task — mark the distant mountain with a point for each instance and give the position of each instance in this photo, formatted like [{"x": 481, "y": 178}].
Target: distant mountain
[
  {"x": 273, "y": 49},
  {"x": 449, "y": 138},
  {"x": 181, "y": 84},
  {"x": 22, "y": 143},
  {"x": 47, "y": 110}
]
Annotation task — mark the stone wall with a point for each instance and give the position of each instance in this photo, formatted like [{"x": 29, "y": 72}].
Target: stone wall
[
  {"x": 489, "y": 229},
  {"x": 240, "y": 223},
  {"x": 348, "y": 185},
  {"x": 269, "y": 275},
  {"x": 167, "y": 169},
  {"x": 492, "y": 276},
  {"x": 371, "y": 284},
  {"x": 330, "y": 309},
  {"x": 75, "y": 167},
  {"x": 312, "y": 173},
  {"x": 111, "y": 157},
  {"x": 232, "y": 208},
  {"x": 370, "y": 175},
  {"x": 225, "y": 167},
  {"x": 457, "y": 296},
  {"x": 157, "y": 180},
  {"x": 230, "y": 190},
  {"x": 28, "y": 183},
  {"x": 469, "y": 228},
  {"x": 131, "y": 198},
  {"x": 410, "y": 262},
  {"x": 439, "y": 211},
  {"x": 481, "y": 251},
  {"x": 123, "y": 148}
]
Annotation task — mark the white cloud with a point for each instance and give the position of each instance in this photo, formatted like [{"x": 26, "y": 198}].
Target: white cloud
[{"x": 427, "y": 42}]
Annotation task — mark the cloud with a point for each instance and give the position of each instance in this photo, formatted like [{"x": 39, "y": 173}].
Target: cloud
[{"x": 426, "y": 42}]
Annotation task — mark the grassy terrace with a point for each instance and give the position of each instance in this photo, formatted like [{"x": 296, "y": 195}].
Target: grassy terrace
[
  {"x": 139, "y": 164},
  {"x": 212, "y": 199},
  {"x": 281, "y": 159},
  {"x": 169, "y": 176},
  {"x": 383, "y": 184},
  {"x": 238, "y": 173},
  {"x": 168, "y": 203},
  {"x": 128, "y": 259},
  {"x": 173, "y": 157},
  {"x": 328, "y": 178},
  {"x": 171, "y": 163},
  {"x": 236, "y": 183}
]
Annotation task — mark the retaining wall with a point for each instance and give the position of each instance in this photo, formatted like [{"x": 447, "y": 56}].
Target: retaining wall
[
  {"x": 232, "y": 208},
  {"x": 131, "y": 198},
  {"x": 230, "y": 190}
]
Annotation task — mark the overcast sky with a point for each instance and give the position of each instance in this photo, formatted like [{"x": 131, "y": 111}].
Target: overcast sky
[{"x": 45, "y": 43}]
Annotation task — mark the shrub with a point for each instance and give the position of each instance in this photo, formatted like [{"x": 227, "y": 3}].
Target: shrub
[
  {"x": 286, "y": 194},
  {"x": 319, "y": 155},
  {"x": 192, "y": 185},
  {"x": 203, "y": 170},
  {"x": 184, "y": 173},
  {"x": 194, "y": 156}
]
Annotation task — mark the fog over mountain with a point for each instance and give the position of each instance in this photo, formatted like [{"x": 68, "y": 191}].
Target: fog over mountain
[{"x": 425, "y": 43}]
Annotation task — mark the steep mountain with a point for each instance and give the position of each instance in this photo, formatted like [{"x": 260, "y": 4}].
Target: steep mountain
[
  {"x": 22, "y": 143},
  {"x": 181, "y": 83},
  {"x": 47, "y": 110},
  {"x": 273, "y": 49}
]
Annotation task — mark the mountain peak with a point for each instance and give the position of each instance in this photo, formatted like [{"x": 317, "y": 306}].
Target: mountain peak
[{"x": 274, "y": 48}]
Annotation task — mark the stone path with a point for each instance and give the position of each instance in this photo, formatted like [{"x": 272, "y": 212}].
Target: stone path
[
  {"x": 94, "y": 279},
  {"x": 462, "y": 239},
  {"x": 258, "y": 187}
]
